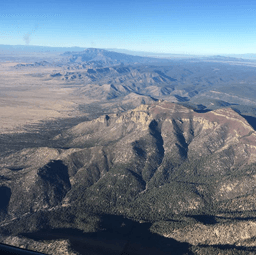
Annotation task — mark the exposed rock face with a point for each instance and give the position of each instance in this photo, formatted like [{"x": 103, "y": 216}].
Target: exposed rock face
[{"x": 150, "y": 163}]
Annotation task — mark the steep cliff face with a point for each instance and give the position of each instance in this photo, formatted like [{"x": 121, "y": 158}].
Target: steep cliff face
[{"x": 150, "y": 163}]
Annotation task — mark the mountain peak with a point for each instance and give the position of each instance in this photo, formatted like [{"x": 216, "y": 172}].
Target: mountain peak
[
  {"x": 101, "y": 56},
  {"x": 153, "y": 162}
]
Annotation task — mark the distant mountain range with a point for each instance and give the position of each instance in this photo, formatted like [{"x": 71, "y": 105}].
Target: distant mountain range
[
  {"x": 44, "y": 49},
  {"x": 105, "y": 57},
  {"x": 105, "y": 75},
  {"x": 34, "y": 49}
]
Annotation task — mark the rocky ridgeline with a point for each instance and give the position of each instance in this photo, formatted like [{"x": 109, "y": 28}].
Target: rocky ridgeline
[{"x": 161, "y": 163}]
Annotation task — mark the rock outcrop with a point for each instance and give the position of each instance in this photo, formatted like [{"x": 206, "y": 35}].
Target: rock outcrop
[{"x": 158, "y": 163}]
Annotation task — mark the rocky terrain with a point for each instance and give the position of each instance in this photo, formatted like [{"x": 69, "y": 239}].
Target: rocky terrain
[
  {"x": 107, "y": 153},
  {"x": 41, "y": 86},
  {"x": 161, "y": 178},
  {"x": 105, "y": 75}
]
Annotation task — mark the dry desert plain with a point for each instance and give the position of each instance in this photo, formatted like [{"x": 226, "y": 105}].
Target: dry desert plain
[{"x": 30, "y": 95}]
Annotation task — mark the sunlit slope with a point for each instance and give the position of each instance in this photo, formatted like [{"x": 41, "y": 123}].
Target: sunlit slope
[{"x": 160, "y": 156}]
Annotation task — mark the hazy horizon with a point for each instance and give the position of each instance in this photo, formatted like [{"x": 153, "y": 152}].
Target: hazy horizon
[
  {"x": 173, "y": 27},
  {"x": 29, "y": 48}
]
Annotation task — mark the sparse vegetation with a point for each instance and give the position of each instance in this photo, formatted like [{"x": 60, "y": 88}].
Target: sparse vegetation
[{"x": 162, "y": 170}]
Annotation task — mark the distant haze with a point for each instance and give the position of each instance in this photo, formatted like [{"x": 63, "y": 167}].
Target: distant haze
[{"x": 35, "y": 49}]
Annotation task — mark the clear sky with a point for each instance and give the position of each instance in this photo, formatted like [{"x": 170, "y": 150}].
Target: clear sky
[{"x": 165, "y": 26}]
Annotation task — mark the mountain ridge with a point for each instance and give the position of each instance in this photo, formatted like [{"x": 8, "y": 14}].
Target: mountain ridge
[
  {"x": 106, "y": 57},
  {"x": 169, "y": 129},
  {"x": 161, "y": 163}
]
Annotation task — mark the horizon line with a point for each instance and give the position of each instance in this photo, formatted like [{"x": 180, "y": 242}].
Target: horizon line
[{"x": 132, "y": 51}]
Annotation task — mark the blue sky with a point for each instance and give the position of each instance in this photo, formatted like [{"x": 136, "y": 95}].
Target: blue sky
[{"x": 187, "y": 27}]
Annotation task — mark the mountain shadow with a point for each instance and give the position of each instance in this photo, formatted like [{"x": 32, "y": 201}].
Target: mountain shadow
[
  {"x": 5, "y": 195},
  {"x": 251, "y": 120},
  {"x": 117, "y": 235},
  {"x": 205, "y": 219}
]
